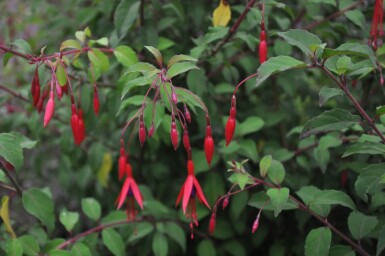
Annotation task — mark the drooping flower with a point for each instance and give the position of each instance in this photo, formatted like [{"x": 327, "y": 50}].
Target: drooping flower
[
  {"x": 189, "y": 191},
  {"x": 377, "y": 31},
  {"x": 49, "y": 109},
  {"x": 130, "y": 192}
]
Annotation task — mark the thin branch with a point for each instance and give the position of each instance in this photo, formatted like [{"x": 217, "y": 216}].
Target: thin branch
[
  {"x": 334, "y": 15},
  {"x": 13, "y": 93},
  {"x": 354, "y": 101},
  {"x": 7, "y": 172}
]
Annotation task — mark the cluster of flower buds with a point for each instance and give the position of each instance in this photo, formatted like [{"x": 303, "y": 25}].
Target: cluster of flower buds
[
  {"x": 377, "y": 30},
  {"x": 38, "y": 98}
]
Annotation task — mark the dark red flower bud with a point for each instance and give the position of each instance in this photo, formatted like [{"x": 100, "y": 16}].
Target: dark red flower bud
[
  {"x": 74, "y": 124},
  {"x": 151, "y": 131},
  {"x": 35, "y": 87},
  {"x": 49, "y": 108},
  {"x": 230, "y": 128},
  {"x": 212, "y": 223},
  {"x": 96, "y": 101},
  {"x": 174, "y": 135},
  {"x": 142, "y": 132},
  {"x": 209, "y": 145},
  {"x": 59, "y": 91},
  {"x": 262, "y": 51},
  {"x": 225, "y": 202},
  {"x": 81, "y": 127},
  {"x": 187, "y": 114},
  {"x": 186, "y": 140}
]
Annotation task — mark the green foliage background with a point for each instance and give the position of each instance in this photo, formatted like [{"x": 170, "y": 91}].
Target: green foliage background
[{"x": 64, "y": 178}]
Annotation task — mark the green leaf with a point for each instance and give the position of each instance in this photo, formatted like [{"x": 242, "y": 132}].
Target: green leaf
[
  {"x": 142, "y": 67},
  {"x": 355, "y": 49},
  {"x": 98, "y": 59},
  {"x": 250, "y": 125},
  {"x": 327, "y": 93},
  {"x": 143, "y": 229},
  {"x": 6, "y": 57},
  {"x": 331, "y": 2},
  {"x": 68, "y": 219},
  {"x": 91, "y": 208},
  {"x": 180, "y": 67},
  {"x": 242, "y": 179},
  {"x": 140, "y": 81},
  {"x": 264, "y": 165},
  {"x": 276, "y": 172},
  {"x": 330, "y": 197},
  {"x": 40, "y": 205},
  {"x": 23, "y": 45},
  {"x": 79, "y": 249},
  {"x": 343, "y": 64},
  {"x": 381, "y": 241},
  {"x": 61, "y": 74},
  {"x": 180, "y": 58},
  {"x": 301, "y": 39},
  {"x": 30, "y": 245},
  {"x": 156, "y": 53},
  {"x": 206, "y": 248},
  {"x": 360, "y": 225},
  {"x": 14, "y": 248},
  {"x": 70, "y": 44},
  {"x": 260, "y": 200},
  {"x": 125, "y": 55},
  {"x": 278, "y": 198},
  {"x": 113, "y": 241},
  {"x": 368, "y": 182},
  {"x": 318, "y": 242},
  {"x": 357, "y": 17},
  {"x": 341, "y": 250},
  {"x": 175, "y": 232},
  {"x": 59, "y": 253},
  {"x": 380, "y": 111},
  {"x": 159, "y": 244},
  {"x": 331, "y": 120},
  {"x": 276, "y": 64},
  {"x": 125, "y": 15},
  {"x": 11, "y": 151},
  {"x": 308, "y": 194},
  {"x": 367, "y": 147}
]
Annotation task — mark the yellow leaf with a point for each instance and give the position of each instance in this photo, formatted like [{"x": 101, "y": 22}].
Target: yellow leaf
[
  {"x": 105, "y": 169},
  {"x": 222, "y": 14},
  {"x": 4, "y": 214}
]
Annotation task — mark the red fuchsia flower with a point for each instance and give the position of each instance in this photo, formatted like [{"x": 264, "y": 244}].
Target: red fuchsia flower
[
  {"x": 130, "y": 191},
  {"x": 189, "y": 191},
  {"x": 74, "y": 123},
  {"x": 377, "y": 31},
  {"x": 231, "y": 122},
  {"x": 225, "y": 202},
  {"x": 212, "y": 223},
  {"x": 186, "y": 141}
]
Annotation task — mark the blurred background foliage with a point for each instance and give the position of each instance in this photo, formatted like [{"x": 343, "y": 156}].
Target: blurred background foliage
[{"x": 269, "y": 121}]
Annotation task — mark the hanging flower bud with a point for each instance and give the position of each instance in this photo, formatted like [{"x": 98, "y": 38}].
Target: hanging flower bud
[
  {"x": 174, "y": 135},
  {"x": 96, "y": 101},
  {"x": 122, "y": 163},
  {"x": 262, "y": 44},
  {"x": 81, "y": 126},
  {"x": 209, "y": 145},
  {"x": 225, "y": 202},
  {"x": 212, "y": 223},
  {"x": 255, "y": 224},
  {"x": 186, "y": 140},
  {"x": 74, "y": 124},
  {"x": 231, "y": 122},
  {"x": 49, "y": 108},
  {"x": 142, "y": 131},
  {"x": 174, "y": 97},
  {"x": 59, "y": 91},
  {"x": 151, "y": 131},
  {"x": 35, "y": 87},
  {"x": 187, "y": 114}
]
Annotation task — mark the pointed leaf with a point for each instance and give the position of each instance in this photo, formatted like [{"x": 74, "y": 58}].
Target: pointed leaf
[
  {"x": 98, "y": 59},
  {"x": 11, "y": 151},
  {"x": 369, "y": 182},
  {"x": 180, "y": 58},
  {"x": 30, "y": 245},
  {"x": 278, "y": 198},
  {"x": 276, "y": 172},
  {"x": 327, "y": 93},
  {"x": 14, "y": 248},
  {"x": 70, "y": 44},
  {"x": 125, "y": 55},
  {"x": 318, "y": 242},
  {"x": 332, "y": 120},
  {"x": 276, "y": 64},
  {"x": 61, "y": 74},
  {"x": 180, "y": 67},
  {"x": 91, "y": 208},
  {"x": 367, "y": 147},
  {"x": 159, "y": 244},
  {"x": 68, "y": 219},
  {"x": 40, "y": 205},
  {"x": 301, "y": 39},
  {"x": 4, "y": 214},
  {"x": 113, "y": 241},
  {"x": 264, "y": 165},
  {"x": 360, "y": 225},
  {"x": 156, "y": 53},
  {"x": 175, "y": 232}
]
